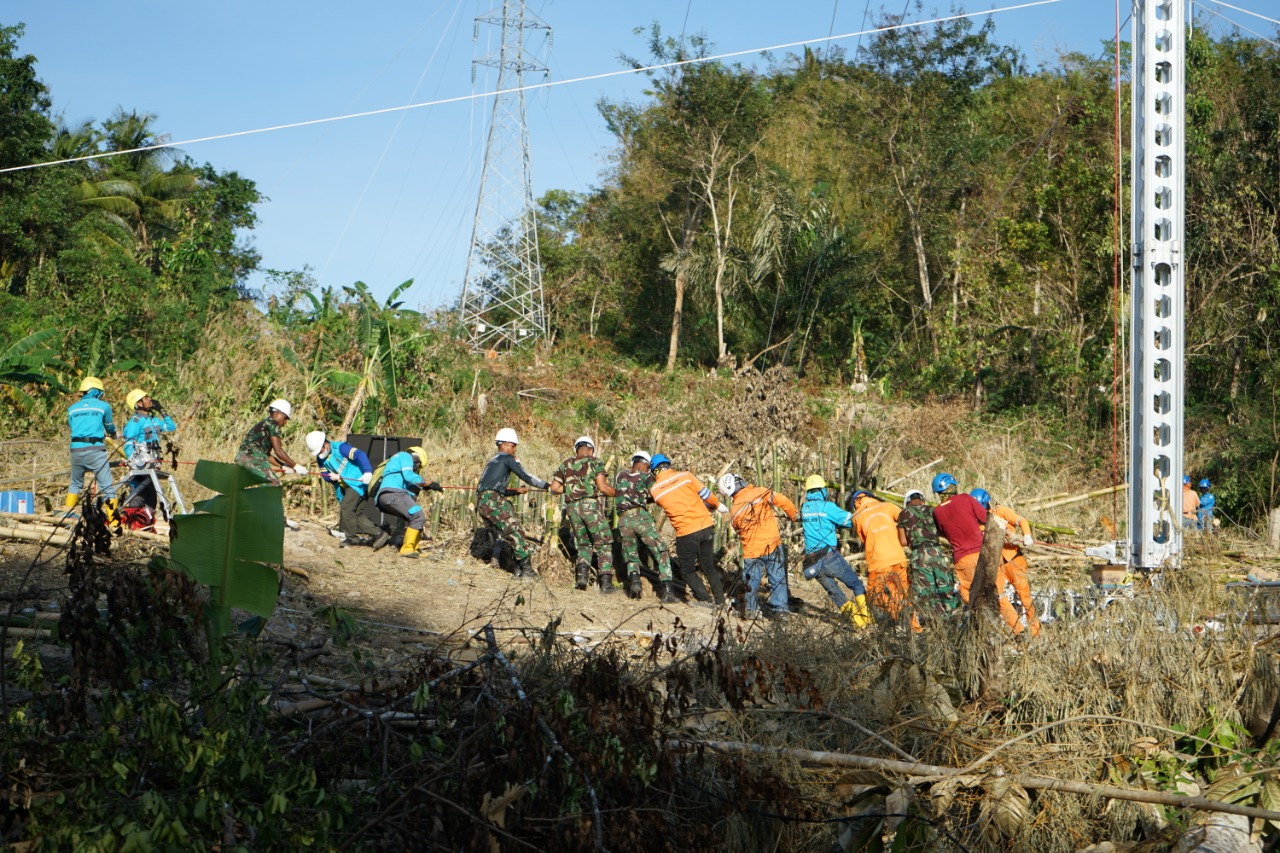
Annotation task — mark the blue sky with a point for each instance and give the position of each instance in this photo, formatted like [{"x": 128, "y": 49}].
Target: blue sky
[{"x": 387, "y": 198}]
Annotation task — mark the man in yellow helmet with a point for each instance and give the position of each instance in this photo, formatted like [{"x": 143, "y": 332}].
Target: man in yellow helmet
[
  {"x": 90, "y": 419},
  {"x": 398, "y": 487}
]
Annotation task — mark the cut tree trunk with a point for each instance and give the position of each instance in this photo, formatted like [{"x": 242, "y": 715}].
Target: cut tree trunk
[{"x": 986, "y": 628}]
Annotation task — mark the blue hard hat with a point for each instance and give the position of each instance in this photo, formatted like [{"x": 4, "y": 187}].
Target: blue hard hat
[
  {"x": 658, "y": 461},
  {"x": 942, "y": 482},
  {"x": 1204, "y": 484},
  {"x": 982, "y": 496},
  {"x": 852, "y": 500},
  {"x": 1186, "y": 481}
]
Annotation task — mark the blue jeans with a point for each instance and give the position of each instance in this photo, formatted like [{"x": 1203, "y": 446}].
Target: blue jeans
[
  {"x": 1204, "y": 519},
  {"x": 775, "y": 563},
  {"x": 91, "y": 460},
  {"x": 831, "y": 568}
]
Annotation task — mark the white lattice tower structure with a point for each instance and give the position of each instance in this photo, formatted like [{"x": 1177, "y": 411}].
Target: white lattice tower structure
[
  {"x": 502, "y": 305},
  {"x": 1157, "y": 304}
]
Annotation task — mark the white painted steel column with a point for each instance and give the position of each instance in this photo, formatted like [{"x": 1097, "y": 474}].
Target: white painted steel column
[{"x": 1157, "y": 305}]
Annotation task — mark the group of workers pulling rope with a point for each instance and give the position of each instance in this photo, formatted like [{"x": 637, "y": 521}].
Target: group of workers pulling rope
[{"x": 919, "y": 558}]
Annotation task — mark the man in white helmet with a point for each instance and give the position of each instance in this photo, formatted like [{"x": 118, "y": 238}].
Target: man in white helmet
[
  {"x": 582, "y": 481},
  {"x": 348, "y": 469},
  {"x": 493, "y": 499},
  {"x": 752, "y": 516},
  {"x": 261, "y": 449}
]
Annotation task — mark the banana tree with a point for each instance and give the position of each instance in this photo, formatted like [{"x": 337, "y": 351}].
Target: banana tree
[
  {"x": 28, "y": 362},
  {"x": 375, "y": 336}
]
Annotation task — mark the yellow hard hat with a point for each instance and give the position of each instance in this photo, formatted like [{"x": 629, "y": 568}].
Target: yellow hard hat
[
  {"x": 420, "y": 454},
  {"x": 814, "y": 481},
  {"x": 91, "y": 383},
  {"x": 134, "y": 397}
]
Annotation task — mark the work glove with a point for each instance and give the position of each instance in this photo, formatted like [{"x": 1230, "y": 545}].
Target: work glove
[
  {"x": 1027, "y": 541},
  {"x": 300, "y": 469},
  {"x": 433, "y": 486},
  {"x": 366, "y": 477},
  {"x": 722, "y": 509}
]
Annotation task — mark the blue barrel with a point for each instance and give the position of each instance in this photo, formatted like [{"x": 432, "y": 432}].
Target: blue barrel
[{"x": 20, "y": 502}]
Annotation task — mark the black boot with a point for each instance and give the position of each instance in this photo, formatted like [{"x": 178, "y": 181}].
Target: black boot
[
  {"x": 495, "y": 558},
  {"x": 666, "y": 594},
  {"x": 606, "y": 583},
  {"x": 356, "y": 541},
  {"x": 635, "y": 586},
  {"x": 524, "y": 569},
  {"x": 580, "y": 580},
  {"x": 380, "y": 541}
]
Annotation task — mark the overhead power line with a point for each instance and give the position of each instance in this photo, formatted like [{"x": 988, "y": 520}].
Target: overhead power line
[
  {"x": 1236, "y": 24},
  {"x": 1247, "y": 12},
  {"x": 548, "y": 84}
]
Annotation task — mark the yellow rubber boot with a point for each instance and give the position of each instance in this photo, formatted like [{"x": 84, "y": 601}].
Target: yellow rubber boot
[
  {"x": 410, "y": 546},
  {"x": 109, "y": 507},
  {"x": 856, "y": 612},
  {"x": 71, "y": 501}
]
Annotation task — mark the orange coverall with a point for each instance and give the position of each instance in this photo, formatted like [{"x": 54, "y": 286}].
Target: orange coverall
[
  {"x": 684, "y": 499},
  {"x": 753, "y": 518},
  {"x": 1013, "y": 570},
  {"x": 876, "y": 524}
]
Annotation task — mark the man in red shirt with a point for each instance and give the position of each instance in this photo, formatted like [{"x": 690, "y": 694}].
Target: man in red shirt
[{"x": 960, "y": 519}]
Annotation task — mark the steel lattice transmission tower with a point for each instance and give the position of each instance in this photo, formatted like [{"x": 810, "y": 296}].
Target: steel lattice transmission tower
[{"x": 502, "y": 305}]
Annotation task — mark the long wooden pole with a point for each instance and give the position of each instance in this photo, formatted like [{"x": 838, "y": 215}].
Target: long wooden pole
[
  {"x": 1026, "y": 780},
  {"x": 1075, "y": 499}
]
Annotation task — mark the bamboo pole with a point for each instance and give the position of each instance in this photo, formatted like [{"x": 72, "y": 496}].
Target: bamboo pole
[
  {"x": 1078, "y": 498},
  {"x": 1026, "y": 780},
  {"x": 914, "y": 471},
  {"x": 33, "y": 536}
]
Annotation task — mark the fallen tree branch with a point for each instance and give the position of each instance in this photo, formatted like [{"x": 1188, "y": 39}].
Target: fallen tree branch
[
  {"x": 1078, "y": 498},
  {"x": 1026, "y": 780}
]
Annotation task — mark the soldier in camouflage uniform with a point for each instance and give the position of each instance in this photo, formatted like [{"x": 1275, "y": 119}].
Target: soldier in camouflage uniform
[
  {"x": 262, "y": 442},
  {"x": 493, "y": 501},
  {"x": 636, "y": 525},
  {"x": 933, "y": 580},
  {"x": 581, "y": 479}
]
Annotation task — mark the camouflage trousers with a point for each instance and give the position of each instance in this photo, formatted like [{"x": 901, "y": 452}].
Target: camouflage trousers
[
  {"x": 258, "y": 464},
  {"x": 636, "y": 526},
  {"x": 498, "y": 513},
  {"x": 933, "y": 580},
  {"x": 589, "y": 525}
]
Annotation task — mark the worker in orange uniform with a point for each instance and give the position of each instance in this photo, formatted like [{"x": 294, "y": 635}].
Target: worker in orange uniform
[
  {"x": 1013, "y": 565},
  {"x": 686, "y": 502},
  {"x": 960, "y": 519},
  {"x": 876, "y": 523},
  {"x": 1190, "y": 505},
  {"x": 752, "y": 515}
]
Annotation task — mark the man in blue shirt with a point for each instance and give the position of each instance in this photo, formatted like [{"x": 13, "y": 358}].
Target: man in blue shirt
[
  {"x": 90, "y": 419},
  {"x": 348, "y": 469},
  {"x": 1204, "y": 514},
  {"x": 823, "y": 561},
  {"x": 142, "y": 448},
  {"x": 398, "y": 488}
]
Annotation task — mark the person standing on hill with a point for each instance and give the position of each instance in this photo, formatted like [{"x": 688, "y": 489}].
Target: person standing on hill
[
  {"x": 261, "y": 446},
  {"x": 1013, "y": 565},
  {"x": 752, "y": 516},
  {"x": 142, "y": 449},
  {"x": 493, "y": 499},
  {"x": 1204, "y": 514},
  {"x": 582, "y": 481},
  {"x": 1190, "y": 504},
  {"x": 399, "y": 481},
  {"x": 876, "y": 523},
  {"x": 960, "y": 519},
  {"x": 636, "y": 525},
  {"x": 823, "y": 562},
  {"x": 348, "y": 469},
  {"x": 686, "y": 502},
  {"x": 933, "y": 580},
  {"x": 90, "y": 420}
]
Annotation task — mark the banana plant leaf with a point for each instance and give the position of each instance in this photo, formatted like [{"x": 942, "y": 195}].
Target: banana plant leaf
[{"x": 230, "y": 540}]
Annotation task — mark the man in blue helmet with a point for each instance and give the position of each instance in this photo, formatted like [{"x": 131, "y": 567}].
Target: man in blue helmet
[
  {"x": 960, "y": 518},
  {"x": 90, "y": 419},
  {"x": 821, "y": 518},
  {"x": 1204, "y": 513}
]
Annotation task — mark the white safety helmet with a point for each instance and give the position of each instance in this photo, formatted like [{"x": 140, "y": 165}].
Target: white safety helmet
[
  {"x": 315, "y": 441},
  {"x": 281, "y": 406},
  {"x": 640, "y": 454},
  {"x": 729, "y": 484},
  {"x": 584, "y": 439},
  {"x": 914, "y": 493},
  {"x": 506, "y": 434}
]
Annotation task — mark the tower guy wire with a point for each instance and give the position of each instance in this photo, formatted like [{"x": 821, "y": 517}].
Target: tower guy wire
[{"x": 501, "y": 305}]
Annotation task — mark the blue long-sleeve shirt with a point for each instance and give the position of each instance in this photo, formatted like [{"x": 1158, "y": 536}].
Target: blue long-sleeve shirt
[
  {"x": 343, "y": 467},
  {"x": 90, "y": 419},
  {"x": 145, "y": 429},
  {"x": 398, "y": 474},
  {"x": 820, "y": 519}
]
